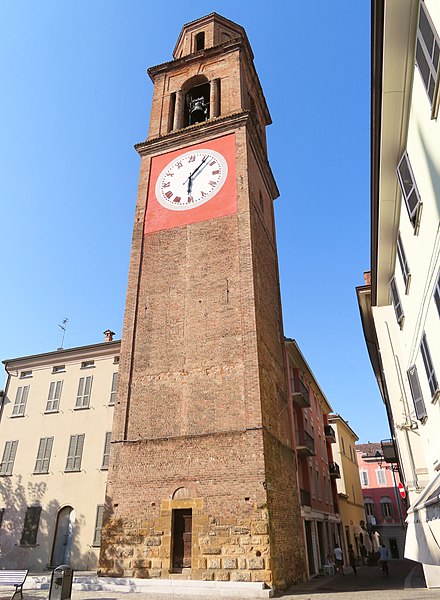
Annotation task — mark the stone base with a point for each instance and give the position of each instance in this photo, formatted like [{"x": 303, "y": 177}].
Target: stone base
[{"x": 214, "y": 589}]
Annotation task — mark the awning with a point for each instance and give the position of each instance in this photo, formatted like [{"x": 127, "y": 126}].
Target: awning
[{"x": 423, "y": 534}]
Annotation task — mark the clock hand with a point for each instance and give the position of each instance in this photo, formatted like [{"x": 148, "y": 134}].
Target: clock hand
[
  {"x": 189, "y": 180},
  {"x": 195, "y": 170}
]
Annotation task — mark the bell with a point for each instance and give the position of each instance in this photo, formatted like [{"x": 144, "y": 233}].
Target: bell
[{"x": 198, "y": 110}]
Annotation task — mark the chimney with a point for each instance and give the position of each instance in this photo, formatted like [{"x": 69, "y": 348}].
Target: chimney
[
  {"x": 108, "y": 335},
  {"x": 367, "y": 277}
]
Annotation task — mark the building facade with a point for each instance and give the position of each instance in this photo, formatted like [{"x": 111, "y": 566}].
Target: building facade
[
  {"x": 384, "y": 508},
  {"x": 350, "y": 499},
  {"x": 55, "y": 423},
  {"x": 317, "y": 472},
  {"x": 400, "y": 301},
  {"x": 203, "y": 472}
]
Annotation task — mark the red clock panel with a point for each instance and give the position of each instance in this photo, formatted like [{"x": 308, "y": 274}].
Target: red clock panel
[{"x": 192, "y": 184}]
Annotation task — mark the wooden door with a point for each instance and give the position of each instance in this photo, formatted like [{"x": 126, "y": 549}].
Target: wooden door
[{"x": 182, "y": 538}]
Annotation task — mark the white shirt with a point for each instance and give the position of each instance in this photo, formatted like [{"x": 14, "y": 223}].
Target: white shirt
[{"x": 338, "y": 553}]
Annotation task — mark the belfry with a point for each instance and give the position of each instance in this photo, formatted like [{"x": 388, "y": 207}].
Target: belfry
[{"x": 202, "y": 481}]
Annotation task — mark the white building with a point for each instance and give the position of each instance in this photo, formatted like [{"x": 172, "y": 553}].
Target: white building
[
  {"x": 55, "y": 429},
  {"x": 400, "y": 306}
]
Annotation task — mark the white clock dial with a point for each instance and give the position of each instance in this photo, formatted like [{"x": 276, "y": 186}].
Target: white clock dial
[{"x": 191, "y": 179}]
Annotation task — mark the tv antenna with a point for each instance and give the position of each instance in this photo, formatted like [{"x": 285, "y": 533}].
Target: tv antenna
[{"x": 63, "y": 327}]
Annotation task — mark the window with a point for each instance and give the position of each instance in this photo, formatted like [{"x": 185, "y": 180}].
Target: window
[
  {"x": 116, "y": 360},
  {"x": 318, "y": 485},
  {"x": 437, "y": 294},
  {"x": 370, "y": 509},
  {"x": 74, "y": 455},
  {"x": 386, "y": 506},
  {"x": 84, "y": 390},
  {"x": 9, "y": 453},
  {"x": 113, "y": 390},
  {"x": 87, "y": 364},
  {"x": 312, "y": 482},
  {"x": 98, "y": 525},
  {"x": 395, "y": 299},
  {"x": 416, "y": 392},
  {"x": 30, "y": 529},
  {"x": 381, "y": 476},
  {"x": 427, "y": 52},
  {"x": 364, "y": 477},
  {"x": 409, "y": 189},
  {"x": 429, "y": 366},
  {"x": 25, "y": 374},
  {"x": 53, "y": 399},
  {"x": 343, "y": 445},
  {"x": 59, "y": 369},
  {"x": 43, "y": 456},
  {"x": 403, "y": 263},
  {"x": 106, "y": 455},
  {"x": 200, "y": 41},
  {"x": 20, "y": 401}
]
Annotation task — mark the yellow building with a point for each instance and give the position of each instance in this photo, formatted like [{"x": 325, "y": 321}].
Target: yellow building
[{"x": 350, "y": 498}]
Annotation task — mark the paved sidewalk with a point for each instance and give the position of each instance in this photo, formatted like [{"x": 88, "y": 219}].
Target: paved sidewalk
[{"x": 406, "y": 582}]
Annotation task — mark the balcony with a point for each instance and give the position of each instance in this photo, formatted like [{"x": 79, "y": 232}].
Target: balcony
[
  {"x": 330, "y": 434},
  {"x": 300, "y": 394},
  {"x": 335, "y": 472},
  {"x": 389, "y": 451},
  {"x": 304, "y": 497},
  {"x": 305, "y": 444}
]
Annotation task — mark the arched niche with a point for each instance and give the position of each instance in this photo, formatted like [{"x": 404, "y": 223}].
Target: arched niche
[{"x": 196, "y": 105}]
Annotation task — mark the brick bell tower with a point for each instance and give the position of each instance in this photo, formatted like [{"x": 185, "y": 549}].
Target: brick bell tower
[{"x": 202, "y": 480}]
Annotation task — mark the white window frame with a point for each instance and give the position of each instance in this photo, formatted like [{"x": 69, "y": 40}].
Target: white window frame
[
  {"x": 397, "y": 303},
  {"x": 406, "y": 273},
  {"x": 409, "y": 191},
  {"x": 364, "y": 477},
  {"x": 424, "y": 53}
]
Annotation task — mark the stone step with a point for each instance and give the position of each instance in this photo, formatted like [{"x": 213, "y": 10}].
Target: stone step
[{"x": 190, "y": 587}]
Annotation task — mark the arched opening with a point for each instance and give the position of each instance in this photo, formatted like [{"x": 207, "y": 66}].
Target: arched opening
[
  {"x": 62, "y": 543},
  {"x": 200, "y": 41},
  {"x": 197, "y": 100}
]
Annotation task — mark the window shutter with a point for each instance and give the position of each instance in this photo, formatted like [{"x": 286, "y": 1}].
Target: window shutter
[
  {"x": 113, "y": 390},
  {"x": 79, "y": 395},
  {"x": 87, "y": 390},
  {"x": 106, "y": 456},
  {"x": 408, "y": 186},
  {"x": 98, "y": 525},
  {"x": 437, "y": 295},
  {"x": 71, "y": 453},
  {"x": 46, "y": 454},
  {"x": 427, "y": 51},
  {"x": 78, "y": 452},
  {"x": 429, "y": 366},
  {"x": 395, "y": 299},
  {"x": 416, "y": 392},
  {"x": 40, "y": 456},
  {"x": 8, "y": 459}
]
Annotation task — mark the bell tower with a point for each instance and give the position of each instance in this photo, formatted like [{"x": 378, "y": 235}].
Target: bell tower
[{"x": 202, "y": 480}]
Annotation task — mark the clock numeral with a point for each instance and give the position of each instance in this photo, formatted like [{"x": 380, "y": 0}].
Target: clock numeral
[
  {"x": 169, "y": 174},
  {"x": 213, "y": 162},
  {"x": 203, "y": 194},
  {"x": 168, "y": 194},
  {"x": 192, "y": 158},
  {"x": 212, "y": 183},
  {"x": 216, "y": 172},
  {"x": 167, "y": 184},
  {"x": 190, "y": 200},
  {"x": 179, "y": 165},
  {"x": 177, "y": 199}
]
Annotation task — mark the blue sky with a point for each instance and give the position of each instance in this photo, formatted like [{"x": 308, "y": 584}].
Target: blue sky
[{"x": 76, "y": 98}]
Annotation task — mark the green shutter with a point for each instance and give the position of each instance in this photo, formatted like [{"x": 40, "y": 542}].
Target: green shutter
[{"x": 98, "y": 525}]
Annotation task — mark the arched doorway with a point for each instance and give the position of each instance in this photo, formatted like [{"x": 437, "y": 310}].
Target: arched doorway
[{"x": 62, "y": 543}]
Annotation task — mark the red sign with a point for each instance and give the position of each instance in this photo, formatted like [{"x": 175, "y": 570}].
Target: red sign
[{"x": 402, "y": 491}]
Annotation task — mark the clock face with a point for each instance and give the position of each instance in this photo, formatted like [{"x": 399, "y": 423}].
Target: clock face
[{"x": 191, "y": 179}]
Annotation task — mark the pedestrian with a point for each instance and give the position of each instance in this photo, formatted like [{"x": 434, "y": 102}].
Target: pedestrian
[
  {"x": 352, "y": 558},
  {"x": 363, "y": 554},
  {"x": 339, "y": 560},
  {"x": 331, "y": 563},
  {"x": 384, "y": 557}
]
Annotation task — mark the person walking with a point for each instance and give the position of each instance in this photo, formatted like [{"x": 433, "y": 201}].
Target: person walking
[
  {"x": 384, "y": 557},
  {"x": 339, "y": 559},
  {"x": 352, "y": 558}
]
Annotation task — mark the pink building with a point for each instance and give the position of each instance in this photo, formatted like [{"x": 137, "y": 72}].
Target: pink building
[{"x": 385, "y": 509}]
